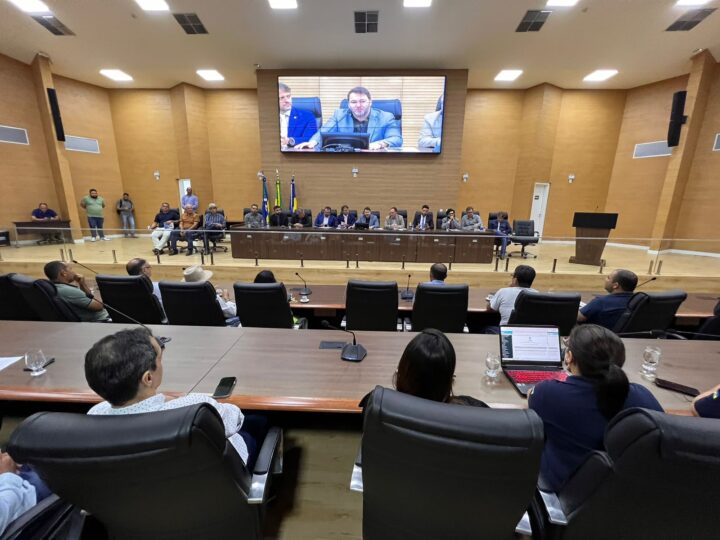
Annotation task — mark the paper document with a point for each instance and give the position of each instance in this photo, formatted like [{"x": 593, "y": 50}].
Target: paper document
[{"x": 5, "y": 361}]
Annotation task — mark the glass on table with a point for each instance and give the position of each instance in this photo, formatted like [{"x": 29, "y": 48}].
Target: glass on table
[
  {"x": 492, "y": 366},
  {"x": 651, "y": 360},
  {"x": 35, "y": 362}
]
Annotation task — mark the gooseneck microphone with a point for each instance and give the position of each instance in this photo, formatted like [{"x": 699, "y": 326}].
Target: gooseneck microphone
[
  {"x": 407, "y": 294},
  {"x": 645, "y": 282},
  {"x": 350, "y": 352},
  {"x": 304, "y": 291}
]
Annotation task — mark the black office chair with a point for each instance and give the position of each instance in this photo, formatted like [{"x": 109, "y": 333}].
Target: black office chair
[
  {"x": 554, "y": 309},
  {"x": 310, "y": 104},
  {"x": 492, "y": 216},
  {"x": 133, "y": 296},
  {"x": 658, "y": 478},
  {"x": 710, "y": 329},
  {"x": 169, "y": 474},
  {"x": 51, "y": 518},
  {"x": 264, "y": 305},
  {"x": 524, "y": 233},
  {"x": 41, "y": 296},
  {"x": 371, "y": 305},
  {"x": 439, "y": 217},
  {"x": 650, "y": 314},
  {"x": 12, "y": 304},
  {"x": 191, "y": 304},
  {"x": 403, "y": 213},
  {"x": 437, "y": 470},
  {"x": 443, "y": 307},
  {"x": 376, "y": 213}
]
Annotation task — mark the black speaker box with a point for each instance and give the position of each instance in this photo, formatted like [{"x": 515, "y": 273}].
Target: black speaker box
[{"x": 57, "y": 119}]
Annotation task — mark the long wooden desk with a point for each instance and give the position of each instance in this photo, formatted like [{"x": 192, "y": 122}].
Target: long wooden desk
[
  {"x": 285, "y": 369},
  {"x": 38, "y": 227},
  {"x": 368, "y": 245}
]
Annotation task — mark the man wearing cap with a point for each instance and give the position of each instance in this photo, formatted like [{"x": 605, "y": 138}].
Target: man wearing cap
[{"x": 196, "y": 274}]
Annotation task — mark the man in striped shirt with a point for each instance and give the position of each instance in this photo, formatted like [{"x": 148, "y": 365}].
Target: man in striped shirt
[{"x": 214, "y": 221}]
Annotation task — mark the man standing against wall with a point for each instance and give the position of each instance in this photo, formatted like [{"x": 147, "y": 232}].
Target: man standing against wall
[
  {"x": 190, "y": 199},
  {"x": 94, "y": 205},
  {"x": 126, "y": 209}
]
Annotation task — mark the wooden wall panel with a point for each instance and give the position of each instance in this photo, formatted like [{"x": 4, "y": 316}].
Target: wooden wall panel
[
  {"x": 406, "y": 181},
  {"x": 24, "y": 170}
]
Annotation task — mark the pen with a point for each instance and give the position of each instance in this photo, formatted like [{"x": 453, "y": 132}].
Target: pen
[{"x": 46, "y": 364}]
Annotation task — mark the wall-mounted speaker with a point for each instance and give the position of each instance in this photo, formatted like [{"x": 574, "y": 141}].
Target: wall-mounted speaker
[
  {"x": 677, "y": 118},
  {"x": 55, "y": 110}
]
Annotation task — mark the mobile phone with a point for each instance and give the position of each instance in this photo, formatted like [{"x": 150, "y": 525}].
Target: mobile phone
[
  {"x": 675, "y": 387},
  {"x": 224, "y": 387}
]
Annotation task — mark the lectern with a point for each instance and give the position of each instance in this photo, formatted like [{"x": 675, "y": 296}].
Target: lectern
[{"x": 592, "y": 231}]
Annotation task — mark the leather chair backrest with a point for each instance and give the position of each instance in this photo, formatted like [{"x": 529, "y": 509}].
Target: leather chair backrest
[
  {"x": 371, "y": 305},
  {"x": 443, "y": 307},
  {"x": 353, "y": 212},
  {"x": 403, "y": 213},
  {"x": 524, "y": 227},
  {"x": 13, "y": 306},
  {"x": 310, "y": 104},
  {"x": 555, "y": 309},
  {"x": 376, "y": 213},
  {"x": 437, "y": 470},
  {"x": 169, "y": 474},
  {"x": 393, "y": 106},
  {"x": 191, "y": 304},
  {"x": 709, "y": 330},
  {"x": 133, "y": 296},
  {"x": 492, "y": 216},
  {"x": 41, "y": 295},
  {"x": 657, "y": 479},
  {"x": 650, "y": 311},
  {"x": 440, "y": 216},
  {"x": 263, "y": 305}
]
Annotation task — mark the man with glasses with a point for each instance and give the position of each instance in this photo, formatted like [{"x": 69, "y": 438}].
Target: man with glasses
[
  {"x": 449, "y": 223},
  {"x": 137, "y": 267}
]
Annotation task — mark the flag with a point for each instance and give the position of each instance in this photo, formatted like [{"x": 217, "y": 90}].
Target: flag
[
  {"x": 278, "y": 194},
  {"x": 293, "y": 195},
  {"x": 265, "y": 200}
]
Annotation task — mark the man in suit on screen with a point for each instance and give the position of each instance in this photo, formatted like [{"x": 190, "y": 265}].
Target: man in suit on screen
[
  {"x": 296, "y": 125},
  {"x": 431, "y": 132},
  {"x": 360, "y": 117}
]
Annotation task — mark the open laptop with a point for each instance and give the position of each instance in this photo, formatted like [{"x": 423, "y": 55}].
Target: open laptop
[{"x": 530, "y": 354}]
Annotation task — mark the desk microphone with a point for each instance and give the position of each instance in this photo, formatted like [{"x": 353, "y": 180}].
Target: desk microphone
[
  {"x": 644, "y": 282},
  {"x": 407, "y": 294},
  {"x": 304, "y": 291},
  {"x": 350, "y": 353}
]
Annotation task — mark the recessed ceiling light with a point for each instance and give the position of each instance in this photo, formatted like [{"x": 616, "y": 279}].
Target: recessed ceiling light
[
  {"x": 116, "y": 75},
  {"x": 153, "y": 5},
  {"x": 283, "y": 4},
  {"x": 601, "y": 75},
  {"x": 561, "y": 3},
  {"x": 31, "y": 6},
  {"x": 417, "y": 3},
  {"x": 508, "y": 74},
  {"x": 691, "y": 3},
  {"x": 210, "y": 74}
]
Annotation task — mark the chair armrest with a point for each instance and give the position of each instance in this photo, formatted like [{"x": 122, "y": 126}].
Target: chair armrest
[
  {"x": 41, "y": 520},
  {"x": 269, "y": 462},
  {"x": 524, "y": 526},
  {"x": 407, "y": 324},
  {"x": 356, "y": 480},
  {"x": 584, "y": 482},
  {"x": 553, "y": 508}
]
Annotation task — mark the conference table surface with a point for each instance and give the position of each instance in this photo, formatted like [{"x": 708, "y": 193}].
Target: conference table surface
[{"x": 280, "y": 369}]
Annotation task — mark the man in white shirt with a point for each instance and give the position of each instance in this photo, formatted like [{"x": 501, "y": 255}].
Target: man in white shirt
[
  {"x": 504, "y": 300},
  {"x": 138, "y": 266}
]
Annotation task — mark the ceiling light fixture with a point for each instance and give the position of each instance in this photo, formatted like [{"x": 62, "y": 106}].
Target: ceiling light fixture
[
  {"x": 210, "y": 74},
  {"x": 561, "y": 3},
  {"x": 508, "y": 74},
  {"x": 600, "y": 75},
  {"x": 153, "y": 5},
  {"x": 417, "y": 3},
  {"x": 283, "y": 4},
  {"x": 31, "y": 6},
  {"x": 116, "y": 75},
  {"x": 690, "y": 3}
]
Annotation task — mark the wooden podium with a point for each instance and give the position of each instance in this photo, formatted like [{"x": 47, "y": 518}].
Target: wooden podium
[{"x": 592, "y": 231}]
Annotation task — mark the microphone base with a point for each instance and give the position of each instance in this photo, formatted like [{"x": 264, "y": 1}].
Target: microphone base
[
  {"x": 305, "y": 292},
  {"x": 407, "y": 295},
  {"x": 353, "y": 353}
]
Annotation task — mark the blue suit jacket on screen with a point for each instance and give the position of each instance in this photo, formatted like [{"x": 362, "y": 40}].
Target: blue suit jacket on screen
[
  {"x": 382, "y": 126},
  {"x": 302, "y": 125}
]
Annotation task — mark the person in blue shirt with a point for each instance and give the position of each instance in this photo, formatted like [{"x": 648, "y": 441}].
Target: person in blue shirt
[
  {"x": 369, "y": 218},
  {"x": 500, "y": 226},
  {"x": 190, "y": 199},
  {"x": 296, "y": 125},
  {"x": 707, "y": 404},
  {"x": 606, "y": 310},
  {"x": 345, "y": 220},
  {"x": 575, "y": 412},
  {"x": 43, "y": 213},
  {"x": 438, "y": 274},
  {"x": 326, "y": 219}
]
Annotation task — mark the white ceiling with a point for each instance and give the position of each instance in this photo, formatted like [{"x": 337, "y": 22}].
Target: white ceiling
[{"x": 479, "y": 35}]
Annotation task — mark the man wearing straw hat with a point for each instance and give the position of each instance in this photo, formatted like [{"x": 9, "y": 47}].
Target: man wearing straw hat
[{"x": 196, "y": 274}]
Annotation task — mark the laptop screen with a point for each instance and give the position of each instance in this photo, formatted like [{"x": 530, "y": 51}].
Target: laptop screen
[{"x": 530, "y": 345}]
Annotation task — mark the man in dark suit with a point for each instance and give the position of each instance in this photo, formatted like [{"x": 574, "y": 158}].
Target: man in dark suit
[
  {"x": 326, "y": 219},
  {"x": 296, "y": 125},
  {"x": 345, "y": 220},
  {"x": 278, "y": 219},
  {"x": 501, "y": 227},
  {"x": 424, "y": 220}
]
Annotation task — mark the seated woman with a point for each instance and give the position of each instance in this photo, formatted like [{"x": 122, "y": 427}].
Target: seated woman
[
  {"x": 427, "y": 369},
  {"x": 577, "y": 411}
]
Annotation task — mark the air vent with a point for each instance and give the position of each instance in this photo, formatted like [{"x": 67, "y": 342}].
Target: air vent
[
  {"x": 190, "y": 22},
  {"x": 533, "y": 21},
  {"x": 366, "y": 21},
  {"x": 53, "y": 25},
  {"x": 82, "y": 144},
  {"x": 689, "y": 20},
  {"x": 652, "y": 149},
  {"x": 13, "y": 135},
  {"x": 716, "y": 146}
]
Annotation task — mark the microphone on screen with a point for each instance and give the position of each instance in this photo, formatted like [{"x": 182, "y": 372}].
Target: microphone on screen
[
  {"x": 350, "y": 352},
  {"x": 407, "y": 294},
  {"x": 304, "y": 291},
  {"x": 645, "y": 282}
]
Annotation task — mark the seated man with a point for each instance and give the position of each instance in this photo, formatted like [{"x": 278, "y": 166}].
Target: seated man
[
  {"x": 165, "y": 221},
  {"x": 394, "y": 220},
  {"x": 449, "y": 222},
  {"x": 254, "y": 219},
  {"x": 196, "y": 274},
  {"x": 125, "y": 369},
  {"x": 501, "y": 227},
  {"x": 326, "y": 219},
  {"x": 214, "y": 225},
  {"x": 189, "y": 222},
  {"x": 368, "y": 218},
  {"x": 17, "y": 495},
  {"x": 345, "y": 220},
  {"x": 278, "y": 219},
  {"x": 46, "y": 215},
  {"x": 300, "y": 219},
  {"x": 137, "y": 267},
  {"x": 438, "y": 274},
  {"x": 431, "y": 132},
  {"x": 471, "y": 221},
  {"x": 424, "y": 220},
  {"x": 606, "y": 310},
  {"x": 72, "y": 288},
  {"x": 296, "y": 125},
  {"x": 503, "y": 301}
]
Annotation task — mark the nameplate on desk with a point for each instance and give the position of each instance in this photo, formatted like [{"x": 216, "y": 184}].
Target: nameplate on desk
[
  {"x": 360, "y": 238},
  {"x": 322, "y": 238},
  {"x": 436, "y": 239},
  {"x": 286, "y": 236},
  {"x": 248, "y": 236},
  {"x": 397, "y": 239},
  {"x": 474, "y": 241}
]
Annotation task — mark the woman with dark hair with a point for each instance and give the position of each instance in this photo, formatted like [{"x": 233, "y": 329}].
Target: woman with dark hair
[
  {"x": 576, "y": 412},
  {"x": 427, "y": 369},
  {"x": 265, "y": 276}
]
